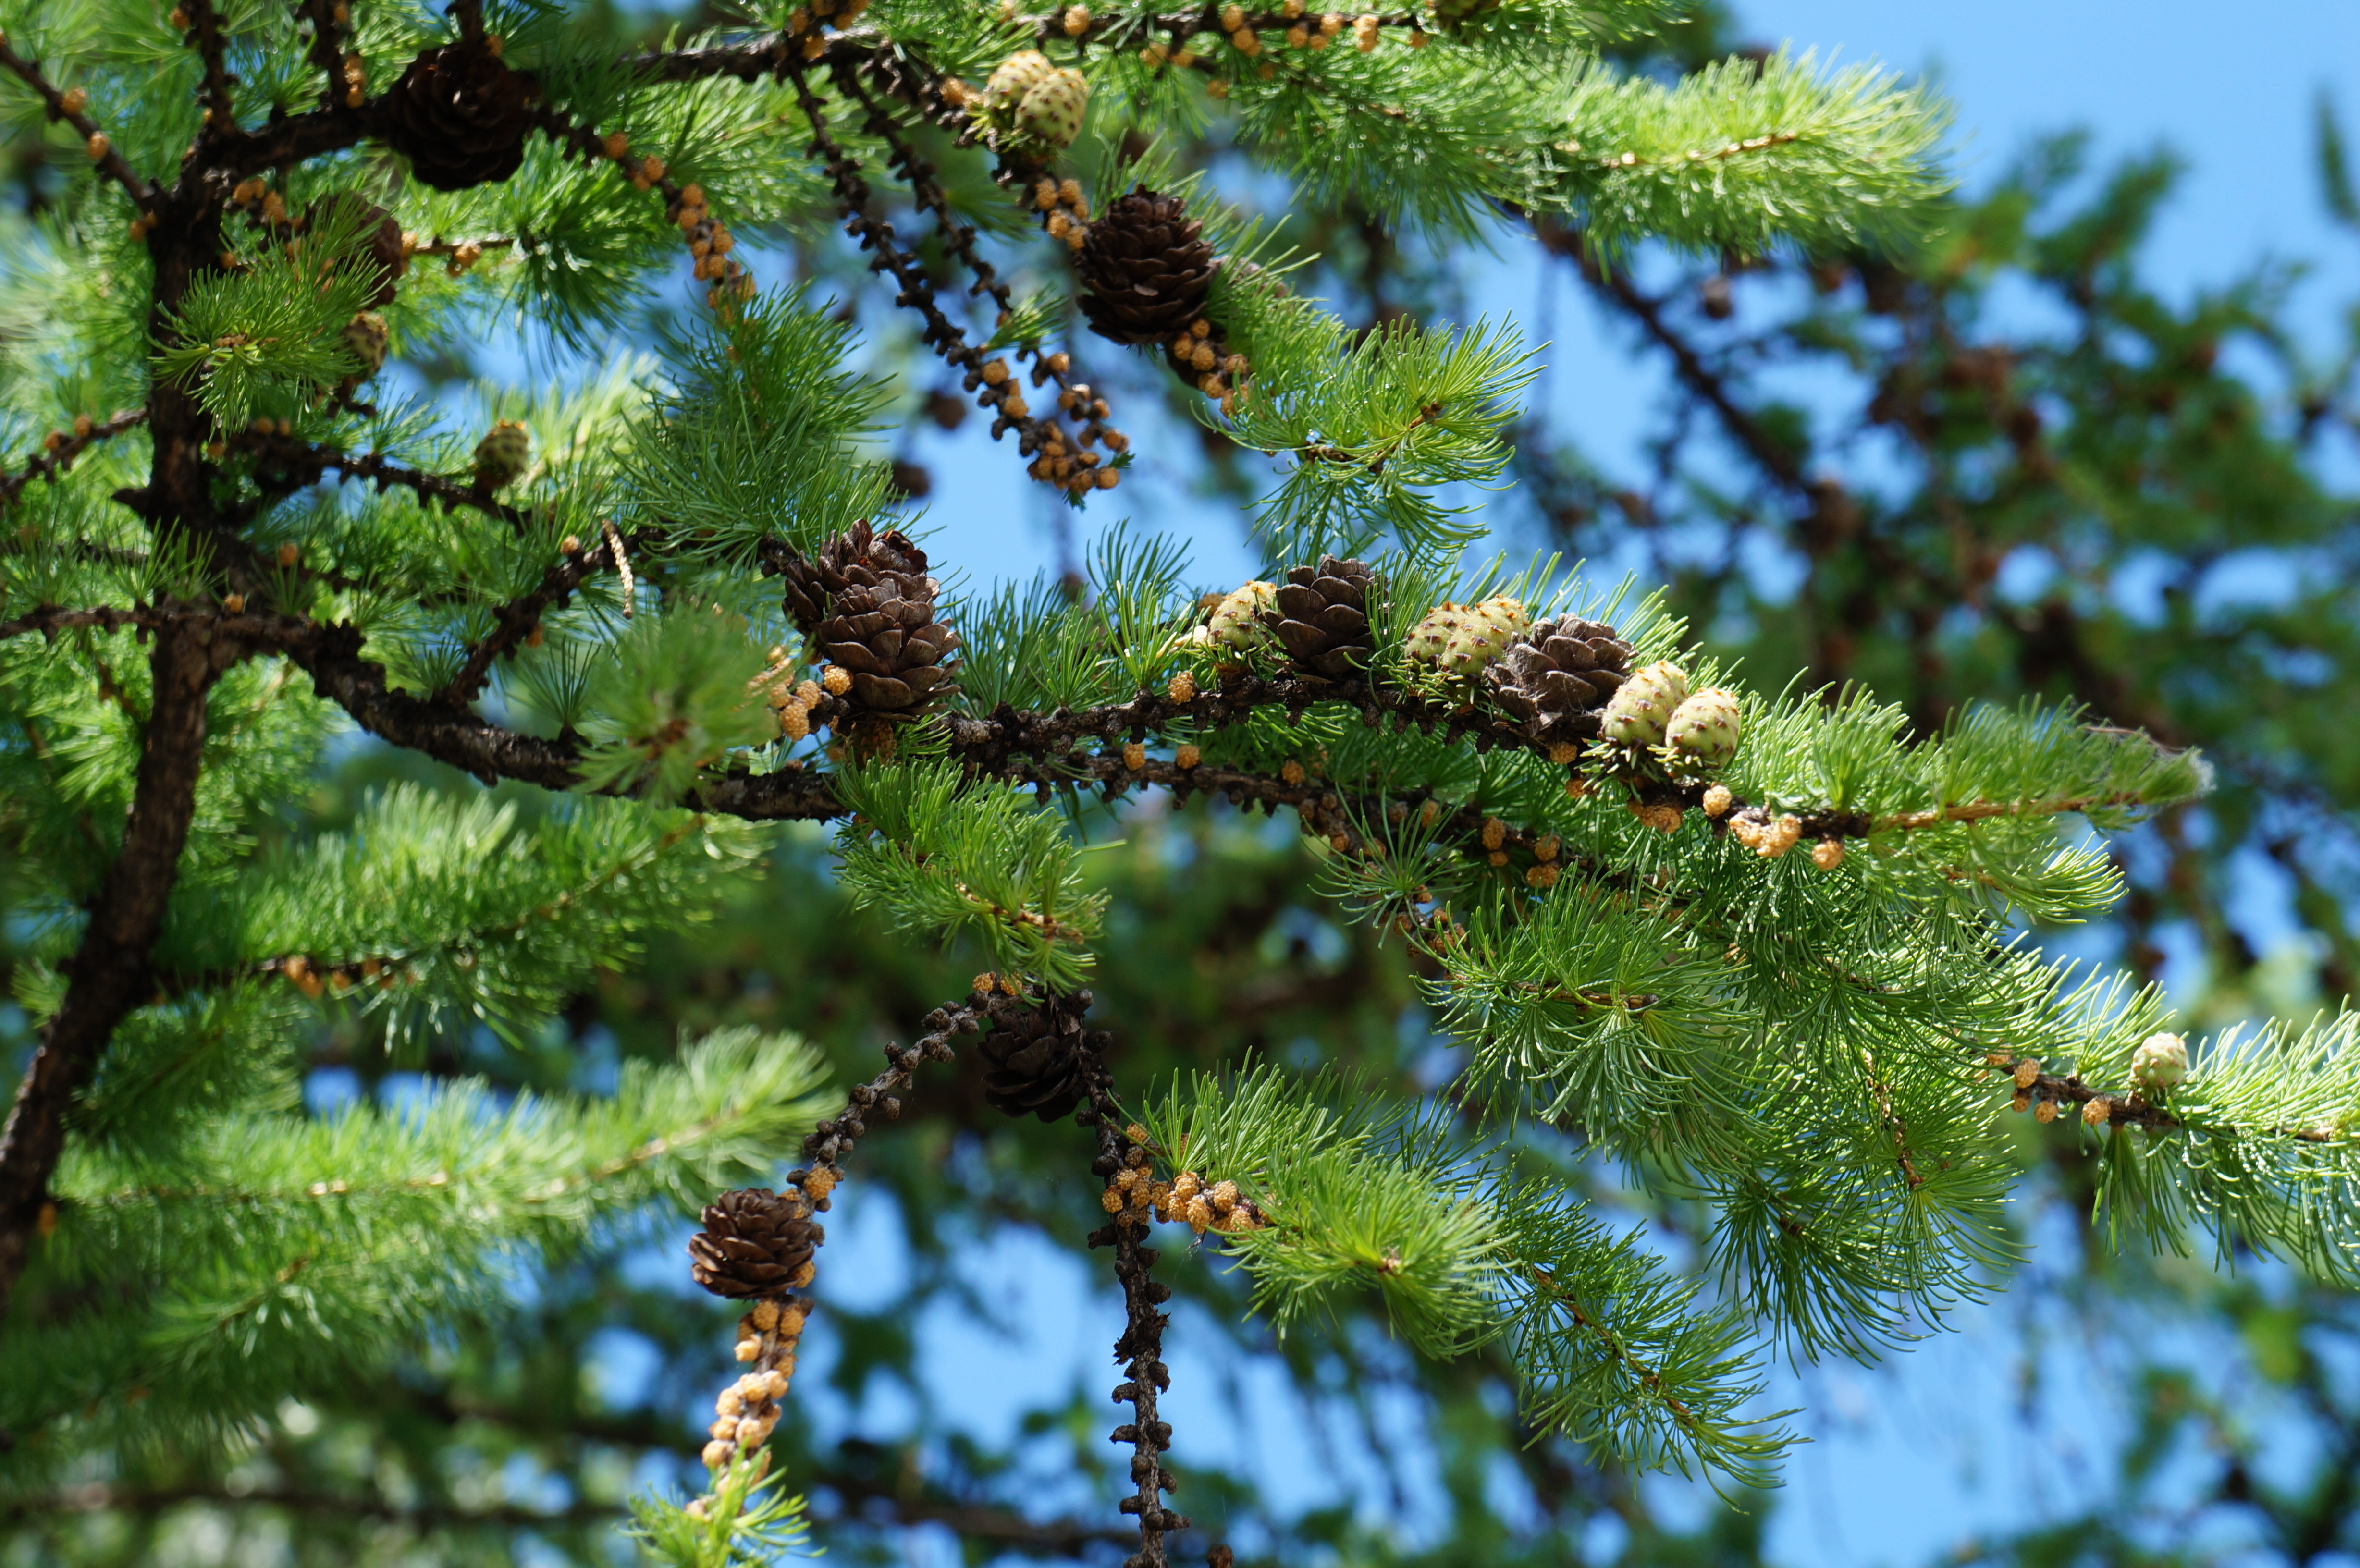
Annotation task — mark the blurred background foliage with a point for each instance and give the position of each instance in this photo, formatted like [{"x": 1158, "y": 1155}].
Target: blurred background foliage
[{"x": 2000, "y": 464}]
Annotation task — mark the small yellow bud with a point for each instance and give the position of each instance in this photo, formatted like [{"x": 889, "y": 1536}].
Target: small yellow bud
[
  {"x": 1292, "y": 772},
  {"x": 1543, "y": 877},
  {"x": 1077, "y": 20},
  {"x": 1186, "y": 755},
  {"x": 2045, "y": 1111},
  {"x": 2096, "y": 1113},
  {"x": 97, "y": 145},
  {"x": 1495, "y": 833},
  {"x": 835, "y": 679},
  {"x": 73, "y": 100},
  {"x": 1717, "y": 800},
  {"x": 2027, "y": 1072},
  {"x": 1111, "y": 1200},
  {"x": 1827, "y": 854}
]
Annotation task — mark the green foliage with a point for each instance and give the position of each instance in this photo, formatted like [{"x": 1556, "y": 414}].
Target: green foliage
[
  {"x": 745, "y": 1520},
  {"x": 277, "y": 1252},
  {"x": 1704, "y": 1098},
  {"x": 936, "y": 855}
]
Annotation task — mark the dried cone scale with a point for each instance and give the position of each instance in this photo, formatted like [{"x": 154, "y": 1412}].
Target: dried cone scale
[
  {"x": 459, "y": 115},
  {"x": 1320, "y": 615},
  {"x": 1146, "y": 270},
  {"x": 755, "y": 1243}
]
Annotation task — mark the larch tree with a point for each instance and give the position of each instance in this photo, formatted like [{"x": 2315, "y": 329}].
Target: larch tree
[{"x": 1763, "y": 947}]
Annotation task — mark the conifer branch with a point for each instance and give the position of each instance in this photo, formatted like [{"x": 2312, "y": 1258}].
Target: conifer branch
[
  {"x": 205, "y": 29},
  {"x": 942, "y": 334},
  {"x": 958, "y": 238},
  {"x": 515, "y": 620},
  {"x": 60, "y": 449},
  {"x": 326, "y": 47},
  {"x": 107, "y": 973},
  {"x": 68, "y": 106},
  {"x": 257, "y": 630},
  {"x": 285, "y": 463},
  {"x": 1140, "y": 1347}
]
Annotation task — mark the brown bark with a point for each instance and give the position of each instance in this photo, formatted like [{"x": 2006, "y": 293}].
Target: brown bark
[{"x": 108, "y": 973}]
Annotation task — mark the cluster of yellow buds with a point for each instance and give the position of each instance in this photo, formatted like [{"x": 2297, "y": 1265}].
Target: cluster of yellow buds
[
  {"x": 313, "y": 979},
  {"x": 1194, "y": 352},
  {"x": 1771, "y": 838},
  {"x": 1664, "y": 818},
  {"x": 1217, "y": 1207},
  {"x": 789, "y": 699},
  {"x": 747, "y": 1410},
  {"x": 1717, "y": 800}
]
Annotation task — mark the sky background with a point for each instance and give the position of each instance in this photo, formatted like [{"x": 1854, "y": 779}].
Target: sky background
[{"x": 1911, "y": 1459}]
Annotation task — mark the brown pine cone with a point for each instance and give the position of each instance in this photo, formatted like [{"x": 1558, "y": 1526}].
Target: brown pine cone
[
  {"x": 459, "y": 115},
  {"x": 1034, "y": 1055},
  {"x": 755, "y": 1242},
  {"x": 1145, "y": 269},
  {"x": 1321, "y": 615},
  {"x": 1559, "y": 670},
  {"x": 379, "y": 234},
  {"x": 887, "y": 637},
  {"x": 856, "y": 557}
]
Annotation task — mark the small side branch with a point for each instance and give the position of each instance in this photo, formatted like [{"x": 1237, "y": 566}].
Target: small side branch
[
  {"x": 283, "y": 463},
  {"x": 1141, "y": 1349},
  {"x": 68, "y": 106},
  {"x": 516, "y": 620},
  {"x": 60, "y": 449},
  {"x": 205, "y": 30}
]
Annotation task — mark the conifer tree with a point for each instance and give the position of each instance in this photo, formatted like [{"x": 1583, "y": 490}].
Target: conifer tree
[{"x": 1756, "y": 941}]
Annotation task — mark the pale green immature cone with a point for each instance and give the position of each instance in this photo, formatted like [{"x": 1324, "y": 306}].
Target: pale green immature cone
[
  {"x": 365, "y": 337},
  {"x": 1236, "y": 621},
  {"x": 1427, "y": 639},
  {"x": 1484, "y": 634},
  {"x": 2160, "y": 1063},
  {"x": 1703, "y": 734},
  {"x": 1642, "y": 709},
  {"x": 502, "y": 456},
  {"x": 1016, "y": 76},
  {"x": 1052, "y": 109}
]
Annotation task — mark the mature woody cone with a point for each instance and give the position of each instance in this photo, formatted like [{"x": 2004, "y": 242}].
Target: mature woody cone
[
  {"x": 459, "y": 114},
  {"x": 1563, "y": 668},
  {"x": 1322, "y": 615},
  {"x": 755, "y": 1243},
  {"x": 868, "y": 603},
  {"x": 1145, "y": 269},
  {"x": 887, "y": 637},
  {"x": 1036, "y": 1056},
  {"x": 858, "y": 557}
]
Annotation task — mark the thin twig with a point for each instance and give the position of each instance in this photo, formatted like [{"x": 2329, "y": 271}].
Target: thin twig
[
  {"x": 52, "y": 461},
  {"x": 109, "y": 159},
  {"x": 1141, "y": 1349},
  {"x": 205, "y": 28}
]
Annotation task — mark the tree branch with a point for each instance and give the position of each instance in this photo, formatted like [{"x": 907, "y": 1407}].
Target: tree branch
[
  {"x": 107, "y": 975},
  {"x": 285, "y": 464},
  {"x": 109, "y": 160},
  {"x": 62, "y": 447}
]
